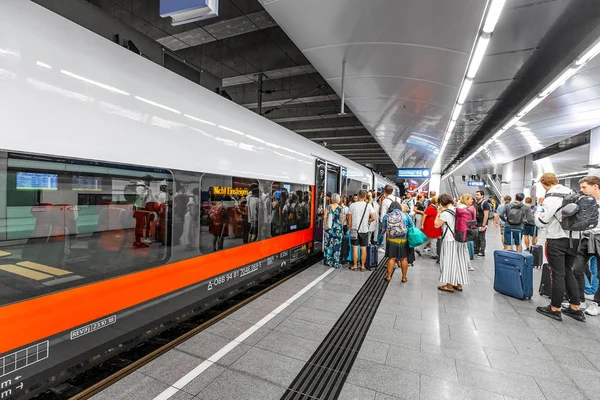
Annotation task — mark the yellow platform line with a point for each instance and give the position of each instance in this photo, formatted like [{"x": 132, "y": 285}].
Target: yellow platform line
[
  {"x": 27, "y": 273},
  {"x": 4, "y": 253},
  {"x": 44, "y": 268}
]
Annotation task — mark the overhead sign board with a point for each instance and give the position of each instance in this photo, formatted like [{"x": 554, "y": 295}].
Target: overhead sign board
[
  {"x": 407, "y": 173},
  {"x": 476, "y": 183},
  {"x": 186, "y": 11}
]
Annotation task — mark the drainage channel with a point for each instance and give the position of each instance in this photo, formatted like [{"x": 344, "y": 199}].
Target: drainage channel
[{"x": 326, "y": 371}]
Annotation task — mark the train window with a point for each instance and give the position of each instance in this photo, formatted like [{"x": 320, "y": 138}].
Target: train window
[
  {"x": 354, "y": 187},
  {"x": 290, "y": 208},
  {"x": 231, "y": 209},
  {"x": 64, "y": 223}
]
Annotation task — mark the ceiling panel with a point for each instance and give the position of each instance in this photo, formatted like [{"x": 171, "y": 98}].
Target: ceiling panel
[{"x": 401, "y": 78}]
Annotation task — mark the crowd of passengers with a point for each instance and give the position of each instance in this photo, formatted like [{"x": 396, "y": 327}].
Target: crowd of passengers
[{"x": 387, "y": 220}]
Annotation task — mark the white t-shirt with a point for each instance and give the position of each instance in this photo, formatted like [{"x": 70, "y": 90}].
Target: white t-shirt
[
  {"x": 448, "y": 218},
  {"x": 356, "y": 210},
  {"x": 386, "y": 203}
]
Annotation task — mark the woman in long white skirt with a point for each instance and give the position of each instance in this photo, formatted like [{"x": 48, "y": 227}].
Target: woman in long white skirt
[{"x": 454, "y": 256}]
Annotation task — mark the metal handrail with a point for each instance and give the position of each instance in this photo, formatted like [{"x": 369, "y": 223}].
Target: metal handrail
[{"x": 491, "y": 182}]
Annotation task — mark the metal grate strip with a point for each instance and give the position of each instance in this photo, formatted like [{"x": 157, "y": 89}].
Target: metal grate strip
[{"x": 325, "y": 373}]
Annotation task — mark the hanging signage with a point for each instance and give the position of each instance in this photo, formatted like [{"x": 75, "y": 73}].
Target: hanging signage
[
  {"x": 186, "y": 11},
  {"x": 407, "y": 173},
  {"x": 475, "y": 183}
]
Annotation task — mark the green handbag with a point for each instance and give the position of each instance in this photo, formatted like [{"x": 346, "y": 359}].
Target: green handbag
[{"x": 416, "y": 237}]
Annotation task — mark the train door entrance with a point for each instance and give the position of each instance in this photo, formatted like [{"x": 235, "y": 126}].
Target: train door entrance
[{"x": 327, "y": 182}]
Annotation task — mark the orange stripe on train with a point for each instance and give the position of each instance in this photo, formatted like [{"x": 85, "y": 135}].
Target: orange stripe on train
[{"x": 31, "y": 320}]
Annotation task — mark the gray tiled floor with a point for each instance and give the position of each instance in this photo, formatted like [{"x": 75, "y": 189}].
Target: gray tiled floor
[{"x": 423, "y": 344}]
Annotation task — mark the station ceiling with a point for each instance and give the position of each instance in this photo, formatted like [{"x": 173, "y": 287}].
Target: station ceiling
[
  {"x": 244, "y": 42},
  {"x": 405, "y": 62}
]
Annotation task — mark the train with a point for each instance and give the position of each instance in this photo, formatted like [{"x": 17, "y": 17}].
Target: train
[{"x": 131, "y": 198}]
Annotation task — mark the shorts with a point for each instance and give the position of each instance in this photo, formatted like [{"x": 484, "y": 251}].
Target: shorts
[
  {"x": 512, "y": 235},
  {"x": 362, "y": 240},
  {"x": 530, "y": 230}
]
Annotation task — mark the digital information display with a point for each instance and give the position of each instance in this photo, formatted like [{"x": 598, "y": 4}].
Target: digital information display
[
  {"x": 422, "y": 173},
  {"x": 87, "y": 183},
  {"x": 35, "y": 181},
  {"x": 475, "y": 183}
]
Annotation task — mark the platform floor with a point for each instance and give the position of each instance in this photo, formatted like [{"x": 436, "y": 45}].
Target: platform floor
[{"x": 423, "y": 344}]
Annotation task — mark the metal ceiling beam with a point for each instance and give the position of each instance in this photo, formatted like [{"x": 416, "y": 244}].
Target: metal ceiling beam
[
  {"x": 339, "y": 137},
  {"x": 267, "y": 75},
  {"x": 296, "y": 100},
  {"x": 354, "y": 144},
  {"x": 219, "y": 30},
  {"x": 330, "y": 128},
  {"x": 312, "y": 117}
]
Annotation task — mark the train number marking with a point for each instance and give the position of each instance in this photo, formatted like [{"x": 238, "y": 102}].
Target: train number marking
[
  {"x": 94, "y": 326},
  {"x": 238, "y": 273}
]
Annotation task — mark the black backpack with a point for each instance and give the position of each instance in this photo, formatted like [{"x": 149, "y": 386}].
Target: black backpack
[
  {"x": 515, "y": 215},
  {"x": 586, "y": 215}
]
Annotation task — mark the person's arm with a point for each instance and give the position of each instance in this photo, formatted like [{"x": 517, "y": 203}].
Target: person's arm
[
  {"x": 349, "y": 219},
  {"x": 423, "y": 221},
  {"x": 438, "y": 223},
  {"x": 486, "y": 215}
]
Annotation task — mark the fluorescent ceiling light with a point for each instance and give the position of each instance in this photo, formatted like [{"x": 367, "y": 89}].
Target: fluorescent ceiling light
[
  {"x": 532, "y": 104},
  {"x": 451, "y": 126},
  {"x": 456, "y": 112},
  {"x": 492, "y": 16},
  {"x": 511, "y": 122},
  {"x": 478, "y": 54},
  {"x": 153, "y": 103},
  {"x": 559, "y": 81},
  {"x": 588, "y": 55},
  {"x": 464, "y": 91},
  {"x": 91, "y": 82}
]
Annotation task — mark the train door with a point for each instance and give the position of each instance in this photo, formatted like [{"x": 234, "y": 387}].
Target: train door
[{"x": 328, "y": 182}]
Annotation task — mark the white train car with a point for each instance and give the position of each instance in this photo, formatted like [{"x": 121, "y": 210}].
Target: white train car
[{"x": 130, "y": 196}]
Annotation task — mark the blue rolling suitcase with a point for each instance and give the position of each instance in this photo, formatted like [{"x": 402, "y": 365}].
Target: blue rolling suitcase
[
  {"x": 372, "y": 257},
  {"x": 513, "y": 274},
  {"x": 471, "y": 247}
]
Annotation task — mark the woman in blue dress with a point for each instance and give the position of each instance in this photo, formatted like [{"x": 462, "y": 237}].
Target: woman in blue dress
[{"x": 333, "y": 236}]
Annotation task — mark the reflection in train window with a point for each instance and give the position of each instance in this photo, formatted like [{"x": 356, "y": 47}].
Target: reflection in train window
[
  {"x": 290, "y": 208},
  {"x": 64, "y": 223},
  {"x": 230, "y": 212}
]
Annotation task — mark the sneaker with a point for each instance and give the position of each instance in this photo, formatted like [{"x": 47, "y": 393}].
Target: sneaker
[
  {"x": 575, "y": 314},
  {"x": 593, "y": 310},
  {"x": 481, "y": 254},
  {"x": 548, "y": 312},
  {"x": 589, "y": 297},
  {"x": 471, "y": 268}
]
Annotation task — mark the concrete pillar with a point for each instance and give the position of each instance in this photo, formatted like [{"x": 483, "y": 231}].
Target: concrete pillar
[
  {"x": 435, "y": 182},
  {"x": 594, "y": 158},
  {"x": 517, "y": 176}
]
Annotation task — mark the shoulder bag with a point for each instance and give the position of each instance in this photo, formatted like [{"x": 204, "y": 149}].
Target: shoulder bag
[{"x": 353, "y": 231}]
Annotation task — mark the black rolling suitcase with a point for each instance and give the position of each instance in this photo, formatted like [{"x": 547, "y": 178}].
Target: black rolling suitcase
[
  {"x": 372, "y": 257},
  {"x": 546, "y": 281},
  {"x": 538, "y": 255},
  {"x": 411, "y": 256}
]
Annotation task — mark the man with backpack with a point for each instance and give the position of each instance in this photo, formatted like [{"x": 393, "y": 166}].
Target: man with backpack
[
  {"x": 483, "y": 214},
  {"x": 514, "y": 217},
  {"x": 559, "y": 250},
  {"x": 590, "y": 185}
]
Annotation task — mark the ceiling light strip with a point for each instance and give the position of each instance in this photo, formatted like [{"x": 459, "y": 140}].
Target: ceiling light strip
[
  {"x": 586, "y": 57},
  {"x": 483, "y": 40}
]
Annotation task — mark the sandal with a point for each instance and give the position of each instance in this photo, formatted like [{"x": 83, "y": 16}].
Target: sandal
[
  {"x": 387, "y": 278},
  {"x": 445, "y": 288},
  {"x": 458, "y": 287},
  {"x": 363, "y": 269},
  {"x": 354, "y": 268},
  {"x": 404, "y": 280}
]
